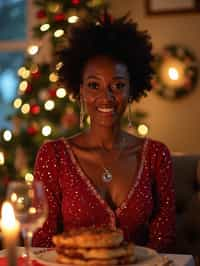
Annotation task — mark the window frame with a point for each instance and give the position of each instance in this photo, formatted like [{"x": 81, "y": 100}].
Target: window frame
[{"x": 20, "y": 45}]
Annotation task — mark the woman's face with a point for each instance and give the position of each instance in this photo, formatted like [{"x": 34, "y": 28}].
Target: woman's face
[{"x": 105, "y": 90}]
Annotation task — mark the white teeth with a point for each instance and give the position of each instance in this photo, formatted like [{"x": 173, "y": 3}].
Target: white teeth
[{"x": 105, "y": 110}]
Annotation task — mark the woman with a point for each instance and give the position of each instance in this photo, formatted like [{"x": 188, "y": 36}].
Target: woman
[{"x": 105, "y": 176}]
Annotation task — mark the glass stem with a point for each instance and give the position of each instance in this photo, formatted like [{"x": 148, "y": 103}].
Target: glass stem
[{"x": 27, "y": 235}]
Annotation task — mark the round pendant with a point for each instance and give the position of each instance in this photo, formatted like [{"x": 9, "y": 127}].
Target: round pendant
[{"x": 106, "y": 176}]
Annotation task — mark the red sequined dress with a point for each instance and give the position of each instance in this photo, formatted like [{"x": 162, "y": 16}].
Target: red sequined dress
[{"x": 146, "y": 216}]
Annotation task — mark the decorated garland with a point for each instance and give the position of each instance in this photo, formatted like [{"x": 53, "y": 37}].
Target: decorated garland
[{"x": 176, "y": 72}]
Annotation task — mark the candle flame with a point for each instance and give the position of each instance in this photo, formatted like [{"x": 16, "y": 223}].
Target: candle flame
[{"x": 7, "y": 215}]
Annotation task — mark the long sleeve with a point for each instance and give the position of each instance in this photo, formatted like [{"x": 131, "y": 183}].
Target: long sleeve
[
  {"x": 162, "y": 225},
  {"x": 46, "y": 170}
]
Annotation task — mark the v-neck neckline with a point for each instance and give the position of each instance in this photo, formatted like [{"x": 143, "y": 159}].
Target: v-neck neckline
[{"x": 92, "y": 187}]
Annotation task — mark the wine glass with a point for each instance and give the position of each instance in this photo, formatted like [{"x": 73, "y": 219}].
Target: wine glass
[{"x": 31, "y": 209}]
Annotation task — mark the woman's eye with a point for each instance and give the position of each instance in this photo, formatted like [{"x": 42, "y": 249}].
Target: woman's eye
[
  {"x": 119, "y": 85},
  {"x": 93, "y": 85}
]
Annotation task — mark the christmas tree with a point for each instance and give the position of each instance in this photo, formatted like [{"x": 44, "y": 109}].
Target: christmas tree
[{"x": 43, "y": 107}]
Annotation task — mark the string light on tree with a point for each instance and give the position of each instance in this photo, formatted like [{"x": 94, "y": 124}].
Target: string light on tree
[
  {"x": 59, "y": 65},
  {"x": 49, "y": 105},
  {"x": 29, "y": 177},
  {"x": 7, "y": 135},
  {"x": 25, "y": 109},
  {"x": 23, "y": 86},
  {"x": 23, "y": 72},
  {"x": 73, "y": 19},
  {"x": 45, "y": 27},
  {"x": 53, "y": 77},
  {"x": 61, "y": 92},
  {"x": 33, "y": 49},
  {"x": 17, "y": 103},
  {"x": 71, "y": 98},
  {"x": 58, "y": 33},
  {"x": 46, "y": 130},
  {"x": 2, "y": 158}
]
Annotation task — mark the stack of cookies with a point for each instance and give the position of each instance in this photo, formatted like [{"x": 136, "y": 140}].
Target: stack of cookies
[{"x": 93, "y": 246}]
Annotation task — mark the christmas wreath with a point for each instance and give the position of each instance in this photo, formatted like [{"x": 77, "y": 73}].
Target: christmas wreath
[{"x": 176, "y": 72}]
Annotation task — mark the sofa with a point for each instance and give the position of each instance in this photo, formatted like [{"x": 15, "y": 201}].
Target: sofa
[{"x": 187, "y": 186}]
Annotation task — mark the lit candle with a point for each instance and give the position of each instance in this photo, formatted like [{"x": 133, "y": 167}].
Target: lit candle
[{"x": 10, "y": 232}]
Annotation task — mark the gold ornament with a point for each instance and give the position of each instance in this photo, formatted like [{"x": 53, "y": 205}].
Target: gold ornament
[{"x": 54, "y": 7}]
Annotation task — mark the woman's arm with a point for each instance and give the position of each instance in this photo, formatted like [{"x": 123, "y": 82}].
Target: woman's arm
[
  {"x": 162, "y": 229},
  {"x": 46, "y": 170}
]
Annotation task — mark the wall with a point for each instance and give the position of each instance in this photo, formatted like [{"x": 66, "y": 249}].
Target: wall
[{"x": 177, "y": 124}]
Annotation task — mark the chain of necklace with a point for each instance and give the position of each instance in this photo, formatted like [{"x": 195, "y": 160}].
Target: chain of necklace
[{"x": 107, "y": 175}]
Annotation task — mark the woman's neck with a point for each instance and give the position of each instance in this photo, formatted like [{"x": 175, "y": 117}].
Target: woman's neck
[{"x": 105, "y": 137}]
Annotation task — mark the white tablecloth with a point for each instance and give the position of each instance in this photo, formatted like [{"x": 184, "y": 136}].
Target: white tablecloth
[
  {"x": 178, "y": 260},
  {"x": 181, "y": 260}
]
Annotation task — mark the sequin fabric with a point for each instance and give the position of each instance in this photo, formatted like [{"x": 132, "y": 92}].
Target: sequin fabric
[{"x": 146, "y": 216}]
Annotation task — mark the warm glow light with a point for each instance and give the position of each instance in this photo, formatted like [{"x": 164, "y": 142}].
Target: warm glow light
[
  {"x": 25, "y": 108},
  {"x": 53, "y": 77},
  {"x": 32, "y": 210},
  {"x": 59, "y": 33},
  {"x": 71, "y": 98},
  {"x": 73, "y": 19},
  {"x": 8, "y": 220},
  {"x": 44, "y": 27},
  {"x": 23, "y": 86},
  {"x": 142, "y": 130},
  {"x": 49, "y": 105},
  {"x": 7, "y": 135},
  {"x": 2, "y": 158},
  {"x": 21, "y": 70},
  {"x": 29, "y": 177},
  {"x": 34, "y": 68},
  {"x": 61, "y": 92},
  {"x": 88, "y": 120},
  {"x": 26, "y": 74},
  {"x": 17, "y": 103},
  {"x": 59, "y": 65},
  {"x": 173, "y": 73},
  {"x": 46, "y": 130},
  {"x": 33, "y": 49},
  {"x": 10, "y": 228}
]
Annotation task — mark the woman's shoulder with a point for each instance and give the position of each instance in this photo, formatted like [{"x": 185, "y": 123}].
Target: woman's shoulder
[
  {"x": 157, "y": 144},
  {"x": 158, "y": 149}
]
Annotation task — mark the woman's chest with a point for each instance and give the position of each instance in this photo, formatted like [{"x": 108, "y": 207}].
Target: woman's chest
[{"x": 84, "y": 190}]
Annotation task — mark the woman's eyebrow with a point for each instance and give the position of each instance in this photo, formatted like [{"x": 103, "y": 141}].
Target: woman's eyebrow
[
  {"x": 93, "y": 77},
  {"x": 120, "y": 77}
]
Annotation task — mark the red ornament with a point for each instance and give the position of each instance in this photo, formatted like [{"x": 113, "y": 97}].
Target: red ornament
[
  {"x": 75, "y": 2},
  {"x": 59, "y": 17},
  {"x": 28, "y": 89},
  {"x": 41, "y": 14},
  {"x": 52, "y": 92},
  {"x": 32, "y": 130},
  {"x": 6, "y": 180},
  {"x": 35, "y": 109},
  {"x": 36, "y": 74}
]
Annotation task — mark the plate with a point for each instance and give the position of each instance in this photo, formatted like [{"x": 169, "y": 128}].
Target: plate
[{"x": 145, "y": 256}]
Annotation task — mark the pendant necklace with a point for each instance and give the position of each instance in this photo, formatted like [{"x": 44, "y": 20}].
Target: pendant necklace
[{"x": 107, "y": 174}]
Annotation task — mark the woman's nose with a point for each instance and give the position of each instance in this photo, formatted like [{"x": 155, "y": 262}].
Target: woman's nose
[{"x": 108, "y": 92}]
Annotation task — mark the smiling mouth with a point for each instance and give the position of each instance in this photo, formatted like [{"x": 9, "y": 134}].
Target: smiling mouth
[{"x": 106, "y": 109}]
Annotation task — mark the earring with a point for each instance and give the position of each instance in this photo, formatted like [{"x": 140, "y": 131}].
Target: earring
[
  {"x": 130, "y": 122},
  {"x": 82, "y": 113}
]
